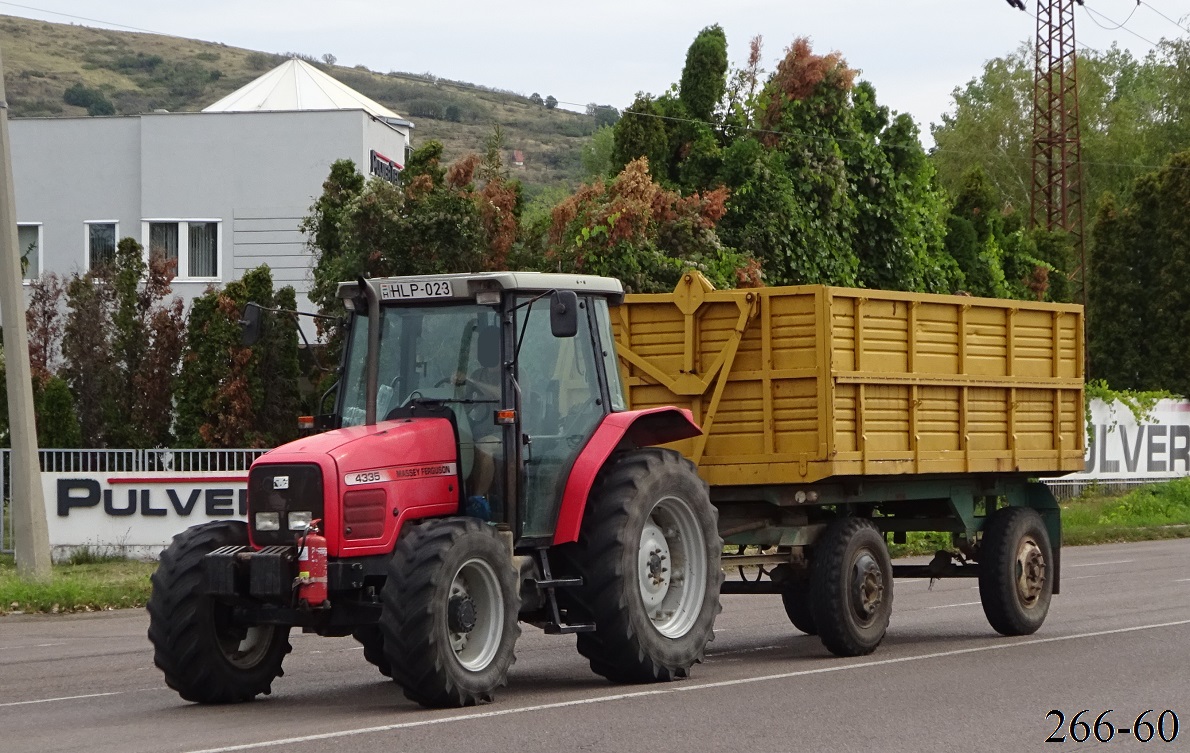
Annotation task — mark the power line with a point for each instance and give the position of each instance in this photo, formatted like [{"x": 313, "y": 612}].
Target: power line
[
  {"x": 84, "y": 18},
  {"x": 1094, "y": 12},
  {"x": 1167, "y": 18},
  {"x": 1121, "y": 24}
]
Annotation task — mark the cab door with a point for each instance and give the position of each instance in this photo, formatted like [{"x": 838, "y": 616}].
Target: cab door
[{"x": 562, "y": 403}]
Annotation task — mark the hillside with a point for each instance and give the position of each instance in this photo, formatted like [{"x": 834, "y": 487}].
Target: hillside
[{"x": 139, "y": 73}]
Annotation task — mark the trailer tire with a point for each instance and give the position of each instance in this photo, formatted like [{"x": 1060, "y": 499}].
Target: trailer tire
[
  {"x": 648, "y": 509},
  {"x": 372, "y": 640},
  {"x": 205, "y": 656},
  {"x": 851, "y": 587},
  {"x": 449, "y": 612},
  {"x": 795, "y": 596},
  {"x": 1014, "y": 561}
]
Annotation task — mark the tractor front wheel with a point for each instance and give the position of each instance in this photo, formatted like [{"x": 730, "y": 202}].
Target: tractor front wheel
[
  {"x": 649, "y": 555},
  {"x": 206, "y": 655},
  {"x": 372, "y": 640},
  {"x": 449, "y": 619}
]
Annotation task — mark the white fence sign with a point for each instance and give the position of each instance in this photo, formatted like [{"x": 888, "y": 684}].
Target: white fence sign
[
  {"x": 138, "y": 511},
  {"x": 1120, "y": 448}
]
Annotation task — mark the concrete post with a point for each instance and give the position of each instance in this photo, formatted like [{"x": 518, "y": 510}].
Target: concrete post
[{"x": 30, "y": 532}]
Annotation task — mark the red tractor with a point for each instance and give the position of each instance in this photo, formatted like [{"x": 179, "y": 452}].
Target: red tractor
[{"x": 480, "y": 469}]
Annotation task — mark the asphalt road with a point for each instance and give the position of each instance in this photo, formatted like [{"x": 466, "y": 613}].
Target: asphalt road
[{"x": 1118, "y": 638}]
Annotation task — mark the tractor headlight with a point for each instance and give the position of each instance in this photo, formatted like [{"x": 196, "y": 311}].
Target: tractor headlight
[
  {"x": 300, "y": 521},
  {"x": 268, "y": 521}
]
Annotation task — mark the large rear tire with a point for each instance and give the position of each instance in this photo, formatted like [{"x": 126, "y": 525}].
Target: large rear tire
[
  {"x": 851, "y": 587},
  {"x": 449, "y": 620},
  {"x": 649, "y": 555},
  {"x": 206, "y": 656},
  {"x": 1015, "y": 558}
]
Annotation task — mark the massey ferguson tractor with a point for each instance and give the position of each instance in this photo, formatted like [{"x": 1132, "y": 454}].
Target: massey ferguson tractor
[{"x": 483, "y": 468}]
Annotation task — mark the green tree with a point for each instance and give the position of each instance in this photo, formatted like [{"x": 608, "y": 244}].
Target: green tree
[
  {"x": 551, "y": 102},
  {"x": 57, "y": 424},
  {"x": 229, "y": 395},
  {"x": 597, "y": 153},
  {"x": 704, "y": 77}
]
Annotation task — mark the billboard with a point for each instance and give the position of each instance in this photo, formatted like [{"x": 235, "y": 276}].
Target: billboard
[
  {"x": 137, "y": 513},
  {"x": 1119, "y": 447}
]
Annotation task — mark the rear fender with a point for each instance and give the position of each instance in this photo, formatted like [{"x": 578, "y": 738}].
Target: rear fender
[{"x": 628, "y": 429}]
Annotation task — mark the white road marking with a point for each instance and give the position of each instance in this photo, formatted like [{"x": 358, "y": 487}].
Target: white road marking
[
  {"x": 674, "y": 689},
  {"x": 35, "y": 645},
  {"x": 64, "y": 698},
  {"x": 1098, "y": 564},
  {"x": 78, "y": 697},
  {"x": 1182, "y": 580},
  {"x": 948, "y": 606}
]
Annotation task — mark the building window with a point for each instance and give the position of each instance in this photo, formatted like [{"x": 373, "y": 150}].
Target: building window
[
  {"x": 203, "y": 258},
  {"x": 29, "y": 246},
  {"x": 101, "y": 244},
  {"x": 192, "y": 245},
  {"x": 163, "y": 240}
]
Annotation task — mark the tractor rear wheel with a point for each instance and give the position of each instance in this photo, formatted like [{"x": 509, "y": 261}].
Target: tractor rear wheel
[
  {"x": 648, "y": 553},
  {"x": 207, "y": 656},
  {"x": 1015, "y": 584},
  {"x": 851, "y": 587},
  {"x": 449, "y": 619}
]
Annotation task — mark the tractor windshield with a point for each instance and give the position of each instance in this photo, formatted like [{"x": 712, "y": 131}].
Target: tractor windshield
[{"x": 447, "y": 352}]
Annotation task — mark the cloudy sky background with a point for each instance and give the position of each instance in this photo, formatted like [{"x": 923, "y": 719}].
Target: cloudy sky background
[{"x": 915, "y": 52}]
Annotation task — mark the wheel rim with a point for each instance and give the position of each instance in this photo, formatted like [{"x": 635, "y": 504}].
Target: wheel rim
[
  {"x": 867, "y": 587},
  {"x": 1030, "y": 572},
  {"x": 242, "y": 647},
  {"x": 671, "y": 567},
  {"x": 475, "y": 615}
]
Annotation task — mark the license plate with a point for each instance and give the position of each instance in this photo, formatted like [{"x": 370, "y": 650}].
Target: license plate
[{"x": 402, "y": 291}]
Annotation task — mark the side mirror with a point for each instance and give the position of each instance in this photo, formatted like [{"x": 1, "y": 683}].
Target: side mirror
[
  {"x": 564, "y": 313},
  {"x": 250, "y": 324}
]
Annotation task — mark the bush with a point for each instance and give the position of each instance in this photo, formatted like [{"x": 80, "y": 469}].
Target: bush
[{"x": 96, "y": 102}]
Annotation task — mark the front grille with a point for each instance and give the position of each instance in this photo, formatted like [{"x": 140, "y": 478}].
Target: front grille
[{"x": 283, "y": 489}]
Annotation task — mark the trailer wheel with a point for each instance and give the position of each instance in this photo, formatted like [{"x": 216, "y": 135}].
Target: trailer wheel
[
  {"x": 851, "y": 588},
  {"x": 649, "y": 553},
  {"x": 207, "y": 657},
  {"x": 449, "y": 618},
  {"x": 372, "y": 640},
  {"x": 1014, "y": 580},
  {"x": 795, "y": 596}
]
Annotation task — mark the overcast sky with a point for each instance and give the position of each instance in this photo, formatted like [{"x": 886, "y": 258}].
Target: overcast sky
[{"x": 915, "y": 52}]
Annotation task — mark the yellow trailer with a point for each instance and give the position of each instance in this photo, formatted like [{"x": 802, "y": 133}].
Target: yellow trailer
[{"x": 824, "y": 406}]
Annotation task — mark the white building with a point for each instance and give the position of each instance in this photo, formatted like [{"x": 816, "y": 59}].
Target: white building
[{"x": 221, "y": 191}]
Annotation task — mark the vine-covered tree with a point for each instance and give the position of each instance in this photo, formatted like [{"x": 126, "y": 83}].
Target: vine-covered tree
[{"x": 633, "y": 229}]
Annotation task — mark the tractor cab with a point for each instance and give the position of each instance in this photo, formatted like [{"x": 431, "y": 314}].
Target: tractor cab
[{"x": 522, "y": 365}]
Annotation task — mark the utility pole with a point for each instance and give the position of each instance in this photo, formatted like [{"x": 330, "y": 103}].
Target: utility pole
[
  {"x": 1056, "y": 195},
  {"x": 31, "y": 534}
]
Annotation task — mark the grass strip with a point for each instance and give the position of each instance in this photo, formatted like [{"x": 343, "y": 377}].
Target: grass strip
[{"x": 90, "y": 584}]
